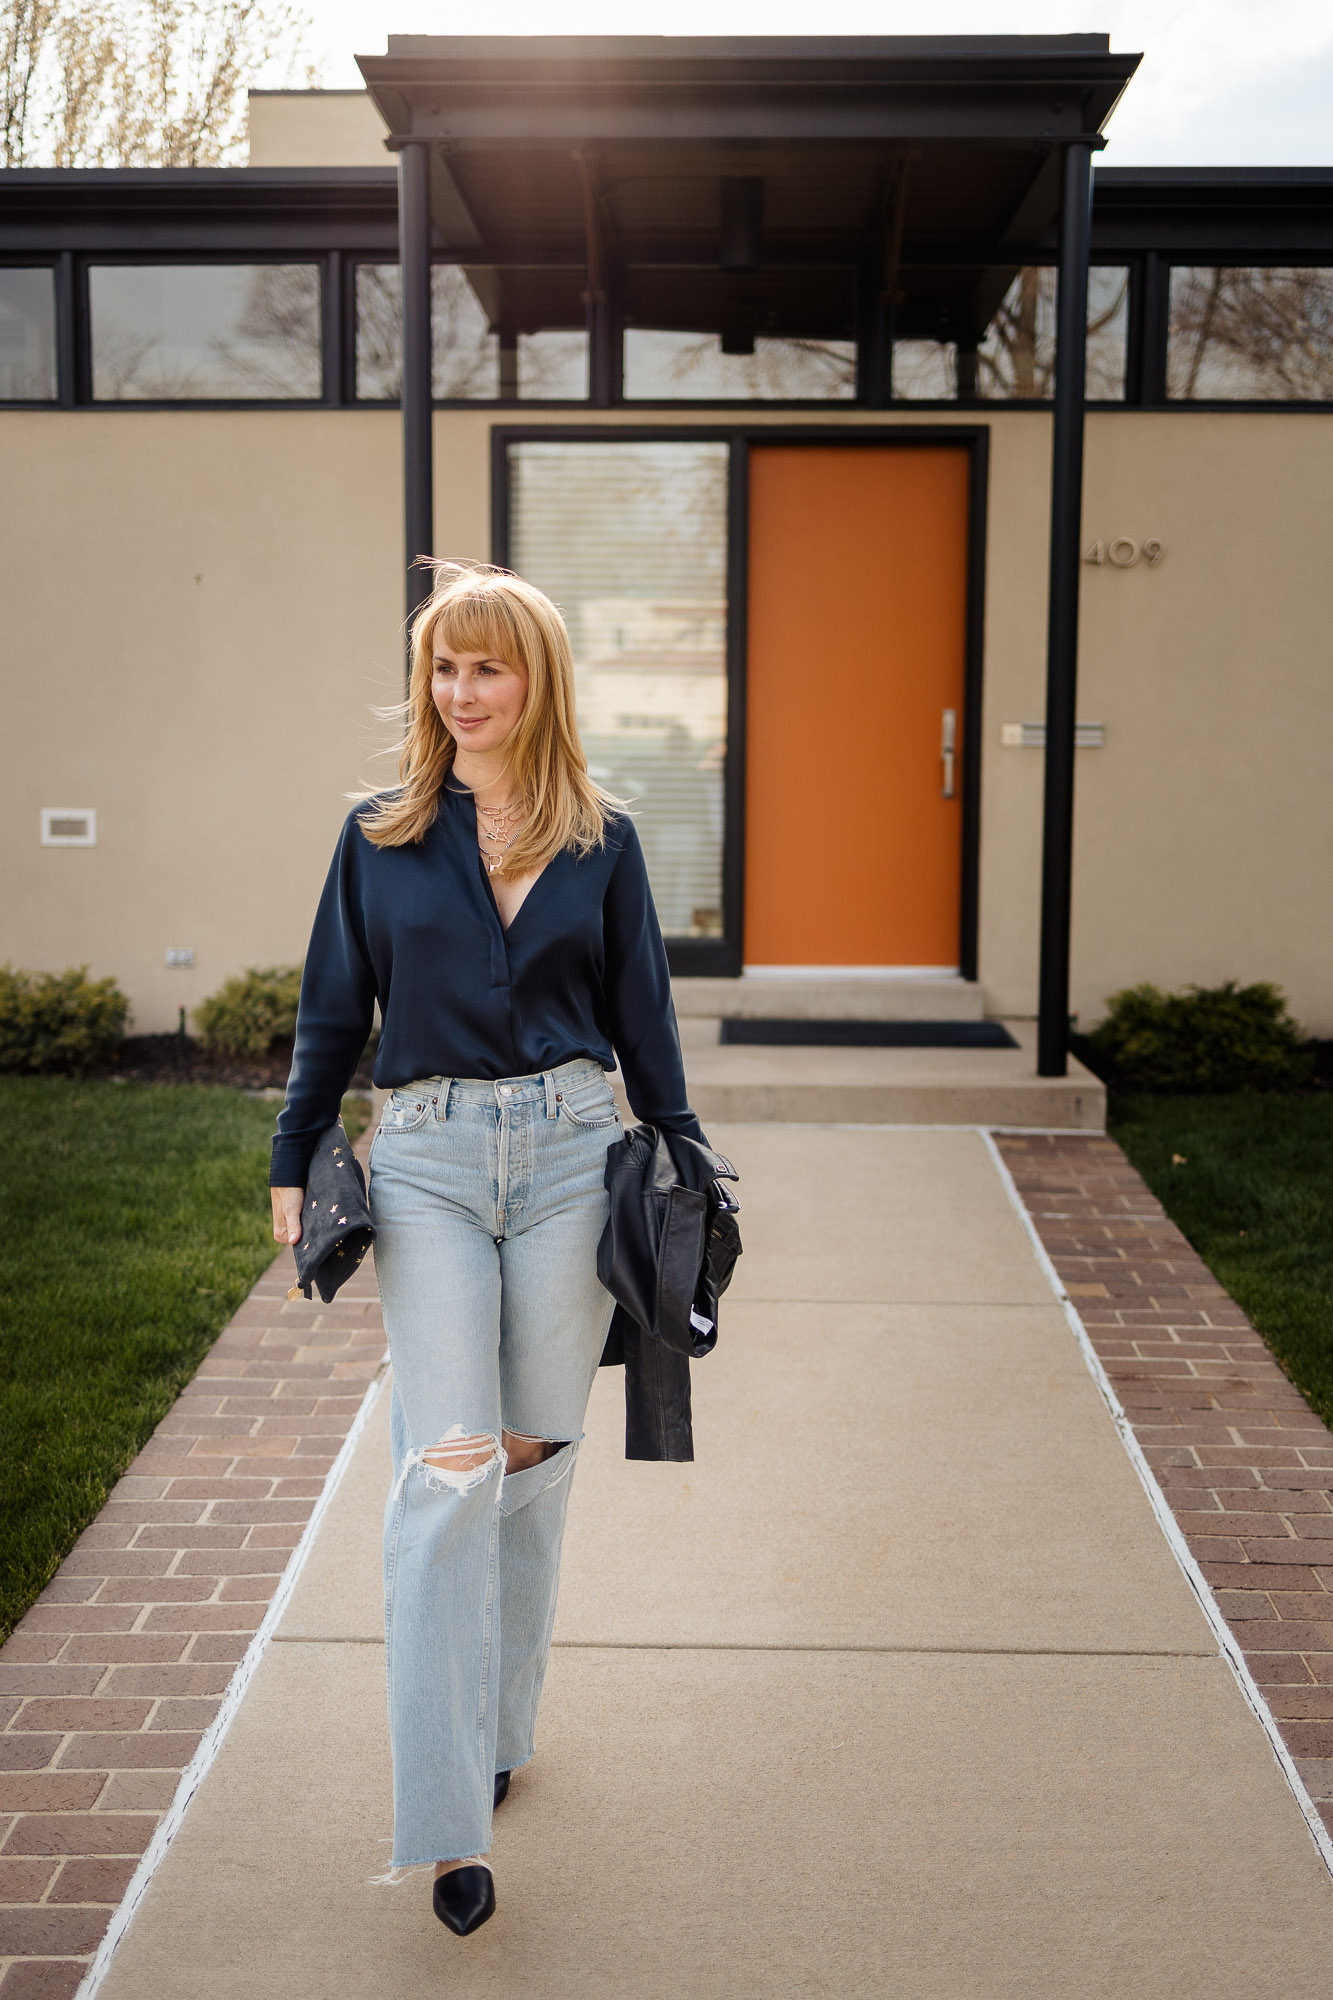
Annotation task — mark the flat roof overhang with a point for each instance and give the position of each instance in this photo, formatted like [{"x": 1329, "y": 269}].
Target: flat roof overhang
[
  {"x": 1222, "y": 214},
  {"x": 917, "y": 163}
]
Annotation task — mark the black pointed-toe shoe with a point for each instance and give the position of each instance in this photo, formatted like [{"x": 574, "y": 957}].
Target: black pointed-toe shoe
[
  {"x": 501, "y": 1785},
  {"x": 465, "y": 1898}
]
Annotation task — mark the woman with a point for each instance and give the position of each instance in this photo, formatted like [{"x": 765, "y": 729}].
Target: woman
[{"x": 497, "y": 907}]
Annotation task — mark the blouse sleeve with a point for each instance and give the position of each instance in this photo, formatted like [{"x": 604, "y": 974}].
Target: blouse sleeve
[
  {"x": 333, "y": 1020},
  {"x": 638, "y": 990}
]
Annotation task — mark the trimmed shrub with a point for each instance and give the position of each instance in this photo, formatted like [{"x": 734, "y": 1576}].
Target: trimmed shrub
[
  {"x": 251, "y": 1012},
  {"x": 1208, "y": 1038},
  {"x": 60, "y": 1021}
]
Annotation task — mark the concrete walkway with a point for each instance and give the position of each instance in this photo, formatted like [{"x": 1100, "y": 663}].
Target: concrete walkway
[{"x": 897, "y": 1690}]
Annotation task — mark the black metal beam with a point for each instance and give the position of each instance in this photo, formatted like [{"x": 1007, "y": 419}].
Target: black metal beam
[
  {"x": 913, "y": 116},
  {"x": 418, "y": 470},
  {"x": 1062, "y": 629},
  {"x": 587, "y": 89}
]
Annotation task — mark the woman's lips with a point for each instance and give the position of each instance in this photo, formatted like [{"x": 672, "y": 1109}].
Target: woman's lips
[{"x": 469, "y": 721}]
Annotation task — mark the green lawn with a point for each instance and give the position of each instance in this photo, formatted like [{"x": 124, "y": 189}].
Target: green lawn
[
  {"x": 136, "y": 1219},
  {"x": 1254, "y": 1195}
]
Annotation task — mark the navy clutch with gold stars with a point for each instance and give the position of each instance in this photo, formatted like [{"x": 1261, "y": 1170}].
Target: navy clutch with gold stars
[{"x": 336, "y": 1229}]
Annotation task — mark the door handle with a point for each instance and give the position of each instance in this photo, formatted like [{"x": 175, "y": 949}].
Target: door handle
[{"x": 948, "y": 744}]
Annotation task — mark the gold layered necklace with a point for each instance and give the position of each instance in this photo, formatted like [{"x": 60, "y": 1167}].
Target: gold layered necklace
[{"x": 498, "y": 827}]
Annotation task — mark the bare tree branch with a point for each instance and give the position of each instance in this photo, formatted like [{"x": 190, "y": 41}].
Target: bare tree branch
[
  {"x": 27, "y": 27},
  {"x": 141, "y": 83},
  {"x": 1258, "y": 331}
]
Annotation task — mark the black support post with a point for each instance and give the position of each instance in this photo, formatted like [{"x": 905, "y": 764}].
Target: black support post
[
  {"x": 1062, "y": 629},
  {"x": 414, "y": 261}
]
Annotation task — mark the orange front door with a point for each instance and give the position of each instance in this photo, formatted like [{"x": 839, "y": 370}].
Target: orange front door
[{"x": 857, "y": 620}]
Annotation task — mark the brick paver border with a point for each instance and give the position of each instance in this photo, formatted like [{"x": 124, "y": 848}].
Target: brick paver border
[
  {"x": 1243, "y": 1462},
  {"x": 110, "y": 1682}
]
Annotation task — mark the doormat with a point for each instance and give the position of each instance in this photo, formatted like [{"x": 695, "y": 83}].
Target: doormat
[{"x": 871, "y": 1034}]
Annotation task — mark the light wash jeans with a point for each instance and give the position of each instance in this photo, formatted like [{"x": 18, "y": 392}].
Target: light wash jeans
[{"x": 488, "y": 1200}]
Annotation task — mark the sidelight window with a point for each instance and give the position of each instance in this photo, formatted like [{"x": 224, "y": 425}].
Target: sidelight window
[{"x": 630, "y": 541}]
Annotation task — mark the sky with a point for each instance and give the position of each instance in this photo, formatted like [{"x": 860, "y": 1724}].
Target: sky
[{"x": 1222, "y": 82}]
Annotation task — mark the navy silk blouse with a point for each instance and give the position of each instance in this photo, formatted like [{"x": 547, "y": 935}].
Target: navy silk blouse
[{"x": 581, "y": 971}]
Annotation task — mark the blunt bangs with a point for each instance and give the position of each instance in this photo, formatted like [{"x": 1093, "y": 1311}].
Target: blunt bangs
[{"x": 483, "y": 621}]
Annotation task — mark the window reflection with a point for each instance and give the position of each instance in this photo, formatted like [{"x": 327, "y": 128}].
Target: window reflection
[
  {"x": 553, "y": 366},
  {"x": 1262, "y": 333},
  {"x": 924, "y": 371},
  {"x": 1016, "y": 358},
  {"x": 630, "y": 541},
  {"x": 27, "y": 335},
  {"x": 173, "y": 332},
  {"x": 661, "y": 367},
  {"x": 465, "y": 354},
  {"x": 477, "y": 353}
]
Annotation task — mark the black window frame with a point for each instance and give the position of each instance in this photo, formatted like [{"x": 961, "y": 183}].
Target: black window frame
[
  {"x": 1215, "y": 259},
  {"x": 1145, "y": 239},
  {"x": 190, "y": 260}
]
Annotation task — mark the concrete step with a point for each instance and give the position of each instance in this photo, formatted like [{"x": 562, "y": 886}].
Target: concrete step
[
  {"x": 888, "y": 1086},
  {"x": 825, "y": 996}
]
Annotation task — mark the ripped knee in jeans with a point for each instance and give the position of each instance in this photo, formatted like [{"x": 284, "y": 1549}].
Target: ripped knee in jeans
[
  {"x": 522, "y": 1451},
  {"x": 458, "y": 1461}
]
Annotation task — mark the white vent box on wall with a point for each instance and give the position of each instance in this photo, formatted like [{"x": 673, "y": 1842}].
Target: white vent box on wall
[{"x": 69, "y": 826}]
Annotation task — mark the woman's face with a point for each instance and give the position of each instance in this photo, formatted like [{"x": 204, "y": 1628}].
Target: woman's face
[{"x": 479, "y": 697}]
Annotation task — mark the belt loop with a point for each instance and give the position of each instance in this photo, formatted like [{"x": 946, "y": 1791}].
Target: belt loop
[
  {"x": 548, "y": 1081},
  {"x": 442, "y": 1100}
]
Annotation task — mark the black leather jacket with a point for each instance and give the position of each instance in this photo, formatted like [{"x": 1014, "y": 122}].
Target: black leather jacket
[{"x": 667, "y": 1253}]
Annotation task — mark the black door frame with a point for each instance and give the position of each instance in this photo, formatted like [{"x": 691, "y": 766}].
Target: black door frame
[{"x": 722, "y": 957}]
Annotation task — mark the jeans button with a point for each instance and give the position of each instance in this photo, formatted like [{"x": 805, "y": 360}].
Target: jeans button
[{"x": 505, "y": 1090}]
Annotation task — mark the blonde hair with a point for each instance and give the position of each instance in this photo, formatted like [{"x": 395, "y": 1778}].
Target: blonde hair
[{"x": 476, "y": 608}]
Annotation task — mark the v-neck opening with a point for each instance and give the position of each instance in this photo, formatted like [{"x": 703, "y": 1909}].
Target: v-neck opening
[
  {"x": 540, "y": 876},
  {"x": 466, "y": 792}
]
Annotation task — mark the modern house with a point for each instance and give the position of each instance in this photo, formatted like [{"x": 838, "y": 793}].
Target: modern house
[{"x": 746, "y": 351}]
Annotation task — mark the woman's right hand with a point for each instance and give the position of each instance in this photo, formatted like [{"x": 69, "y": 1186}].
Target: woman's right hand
[{"x": 287, "y": 1213}]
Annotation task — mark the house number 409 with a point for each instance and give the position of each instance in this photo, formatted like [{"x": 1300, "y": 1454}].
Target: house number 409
[{"x": 1123, "y": 552}]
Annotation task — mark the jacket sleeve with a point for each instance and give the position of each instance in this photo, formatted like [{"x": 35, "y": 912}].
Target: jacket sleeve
[
  {"x": 333, "y": 1019},
  {"x": 638, "y": 992}
]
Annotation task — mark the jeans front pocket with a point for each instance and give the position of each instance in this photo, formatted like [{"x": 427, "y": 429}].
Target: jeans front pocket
[
  {"x": 593, "y": 1105},
  {"x": 405, "y": 1111}
]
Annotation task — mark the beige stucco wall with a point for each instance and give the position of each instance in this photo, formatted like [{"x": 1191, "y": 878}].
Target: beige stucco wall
[
  {"x": 316, "y": 128},
  {"x": 200, "y": 608},
  {"x": 1205, "y": 827}
]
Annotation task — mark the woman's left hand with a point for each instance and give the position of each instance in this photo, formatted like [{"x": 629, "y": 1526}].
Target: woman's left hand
[{"x": 287, "y": 1213}]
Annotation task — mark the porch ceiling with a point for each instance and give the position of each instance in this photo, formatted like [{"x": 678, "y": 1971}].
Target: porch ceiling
[{"x": 919, "y": 163}]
